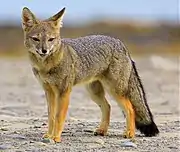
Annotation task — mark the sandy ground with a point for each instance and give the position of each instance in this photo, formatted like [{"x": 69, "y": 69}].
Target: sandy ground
[{"x": 23, "y": 111}]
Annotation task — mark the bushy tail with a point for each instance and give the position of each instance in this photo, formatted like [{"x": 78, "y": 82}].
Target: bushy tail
[
  {"x": 148, "y": 130},
  {"x": 143, "y": 116}
]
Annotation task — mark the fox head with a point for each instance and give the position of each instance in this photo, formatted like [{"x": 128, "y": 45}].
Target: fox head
[{"x": 41, "y": 37}]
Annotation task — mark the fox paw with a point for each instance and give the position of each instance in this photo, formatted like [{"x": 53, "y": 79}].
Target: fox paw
[
  {"x": 128, "y": 134},
  {"x": 46, "y": 135},
  {"x": 56, "y": 139},
  {"x": 100, "y": 131}
]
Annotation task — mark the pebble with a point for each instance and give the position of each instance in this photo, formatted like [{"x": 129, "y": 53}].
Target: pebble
[
  {"x": 73, "y": 119},
  {"x": 16, "y": 136},
  {"x": 64, "y": 131},
  {"x": 99, "y": 141},
  {"x": 4, "y": 147},
  {"x": 42, "y": 144},
  {"x": 89, "y": 131},
  {"x": 47, "y": 140},
  {"x": 37, "y": 126},
  {"x": 4, "y": 129},
  {"x": 16, "y": 132},
  {"x": 128, "y": 143},
  {"x": 173, "y": 147},
  {"x": 44, "y": 124},
  {"x": 31, "y": 142}
]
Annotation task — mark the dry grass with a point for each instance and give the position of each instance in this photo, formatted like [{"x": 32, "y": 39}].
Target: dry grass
[{"x": 139, "y": 39}]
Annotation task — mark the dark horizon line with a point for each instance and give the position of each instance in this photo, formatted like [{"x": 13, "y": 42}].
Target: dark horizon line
[{"x": 99, "y": 19}]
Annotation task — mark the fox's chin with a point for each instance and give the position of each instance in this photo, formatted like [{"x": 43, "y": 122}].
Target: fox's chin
[
  {"x": 43, "y": 55},
  {"x": 40, "y": 56}
]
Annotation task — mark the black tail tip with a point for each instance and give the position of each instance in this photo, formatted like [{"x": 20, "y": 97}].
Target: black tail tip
[{"x": 148, "y": 130}]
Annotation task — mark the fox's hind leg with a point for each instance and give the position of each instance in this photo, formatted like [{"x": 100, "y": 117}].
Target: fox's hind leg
[
  {"x": 127, "y": 108},
  {"x": 117, "y": 78},
  {"x": 97, "y": 94}
]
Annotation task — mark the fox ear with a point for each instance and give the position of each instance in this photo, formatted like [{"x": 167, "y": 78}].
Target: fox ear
[
  {"x": 57, "y": 18},
  {"x": 28, "y": 19}
]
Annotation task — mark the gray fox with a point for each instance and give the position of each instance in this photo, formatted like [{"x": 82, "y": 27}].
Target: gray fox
[{"x": 100, "y": 62}]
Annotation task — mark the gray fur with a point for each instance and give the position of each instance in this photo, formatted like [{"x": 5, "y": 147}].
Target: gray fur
[{"x": 108, "y": 60}]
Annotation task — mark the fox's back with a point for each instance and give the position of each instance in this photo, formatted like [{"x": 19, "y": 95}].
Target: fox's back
[
  {"x": 94, "y": 45},
  {"x": 94, "y": 53}
]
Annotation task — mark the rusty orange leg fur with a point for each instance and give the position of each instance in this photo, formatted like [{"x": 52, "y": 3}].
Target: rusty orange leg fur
[
  {"x": 51, "y": 110},
  {"x": 127, "y": 107},
  {"x": 62, "y": 103}
]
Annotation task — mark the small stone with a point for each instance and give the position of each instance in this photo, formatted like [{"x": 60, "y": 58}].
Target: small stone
[
  {"x": 42, "y": 144},
  {"x": 65, "y": 132},
  {"x": 16, "y": 132},
  {"x": 99, "y": 141},
  {"x": 25, "y": 143},
  {"x": 47, "y": 140},
  {"x": 35, "y": 120},
  {"x": 43, "y": 124},
  {"x": 81, "y": 124},
  {"x": 4, "y": 147},
  {"x": 4, "y": 129},
  {"x": 31, "y": 142},
  {"x": 173, "y": 147},
  {"x": 87, "y": 130},
  {"x": 73, "y": 119},
  {"x": 37, "y": 126},
  {"x": 128, "y": 144},
  {"x": 16, "y": 136}
]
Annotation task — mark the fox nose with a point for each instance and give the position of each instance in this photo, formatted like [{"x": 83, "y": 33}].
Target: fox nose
[{"x": 44, "y": 51}]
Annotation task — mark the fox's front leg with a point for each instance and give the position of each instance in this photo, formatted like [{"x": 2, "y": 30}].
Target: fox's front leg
[
  {"x": 50, "y": 97},
  {"x": 61, "y": 103}
]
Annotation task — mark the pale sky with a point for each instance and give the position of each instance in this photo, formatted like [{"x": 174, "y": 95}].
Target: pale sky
[{"x": 89, "y": 9}]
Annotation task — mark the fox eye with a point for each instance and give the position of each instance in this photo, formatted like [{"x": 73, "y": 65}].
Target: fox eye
[
  {"x": 51, "y": 39},
  {"x": 35, "y": 39}
]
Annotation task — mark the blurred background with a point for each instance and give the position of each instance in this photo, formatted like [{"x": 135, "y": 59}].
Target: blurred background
[{"x": 145, "y": 27}]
